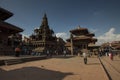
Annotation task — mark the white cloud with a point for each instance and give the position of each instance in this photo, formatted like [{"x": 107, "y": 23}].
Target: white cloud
[
  {"x": 93, "y": 30},
  {"x": 24, "y": 35},
  {"x": 63, "y": 35},
  {"x": 108, "y": 37}
]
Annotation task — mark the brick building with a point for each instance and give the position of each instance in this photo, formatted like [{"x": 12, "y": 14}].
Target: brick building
[{"x": 9, "y": 34}]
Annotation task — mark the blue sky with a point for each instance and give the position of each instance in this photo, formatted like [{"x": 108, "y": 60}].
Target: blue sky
[{"x": 99, "y": 16}]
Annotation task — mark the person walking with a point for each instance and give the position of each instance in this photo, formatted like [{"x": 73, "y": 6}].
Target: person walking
[
  {"x": 17, "y": 51},
  {"x": 111, "y": 55},
  {"x": 64, "y": 53},
  {"x": 48, "y": 53},
  {"x": 85, "y": 58}
]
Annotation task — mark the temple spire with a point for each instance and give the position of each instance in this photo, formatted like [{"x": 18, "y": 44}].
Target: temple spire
[
  {"x": 45, "y": 16},
  {"x": 45, "y": 21}
]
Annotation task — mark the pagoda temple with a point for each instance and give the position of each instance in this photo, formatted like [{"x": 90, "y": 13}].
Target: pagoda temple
[
  {"x": 43, "y": 38},
  {"x": 79, "y": 40},
  {"x": 9, "y": 34}
]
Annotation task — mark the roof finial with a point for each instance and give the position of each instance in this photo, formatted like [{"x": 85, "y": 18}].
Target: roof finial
[
  {"x": 45, "y": 16},
  {"x": 79, "y": 27},
  {"x": 45, "y": 21}
]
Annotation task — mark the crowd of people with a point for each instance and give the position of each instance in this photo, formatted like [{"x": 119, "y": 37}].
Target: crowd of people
[{"x": 48, "y": 53}]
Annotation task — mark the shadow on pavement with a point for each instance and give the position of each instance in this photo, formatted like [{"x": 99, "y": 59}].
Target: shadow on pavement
[{"x": 32, "y": 73}]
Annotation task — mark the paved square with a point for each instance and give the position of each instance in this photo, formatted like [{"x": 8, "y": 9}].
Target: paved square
[{"x": 60, "y": 68}]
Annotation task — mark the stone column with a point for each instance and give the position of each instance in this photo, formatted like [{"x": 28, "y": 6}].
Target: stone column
[{"x": 71, "y": 39}]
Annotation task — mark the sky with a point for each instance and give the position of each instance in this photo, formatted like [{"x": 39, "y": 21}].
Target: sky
[{"x": 102, "y": 17}]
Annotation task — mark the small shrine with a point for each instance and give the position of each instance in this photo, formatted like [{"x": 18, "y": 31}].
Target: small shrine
[{"x": 80, "y": 39}]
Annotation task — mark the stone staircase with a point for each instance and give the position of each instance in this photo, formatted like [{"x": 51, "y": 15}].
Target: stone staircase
[
  {"x": 13, "y": 61},
  {"x": 19, "y": 60}
]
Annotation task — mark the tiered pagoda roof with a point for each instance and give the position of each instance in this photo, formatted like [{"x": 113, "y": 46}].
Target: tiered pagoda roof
[
  {"x": 4, "y": 26},
  {"x": 80, "y": 38},
  {"x": 114, "y": 45},
  {"x": 81, "y": 34},
  {"x": 7, "y": 27},
  {"x": 4, "y": 14},
  {"x": 79, "y": 31}
]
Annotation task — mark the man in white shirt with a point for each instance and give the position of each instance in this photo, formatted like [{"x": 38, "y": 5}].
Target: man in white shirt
[{"x": 85, "y": 57}]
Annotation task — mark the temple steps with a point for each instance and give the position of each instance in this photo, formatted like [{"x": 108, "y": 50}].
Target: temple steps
[
  {"x": 19, "y": 60},
  {"x": 13, "y": 61}
]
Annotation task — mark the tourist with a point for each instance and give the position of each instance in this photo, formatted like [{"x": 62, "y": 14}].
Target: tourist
[
  {"x": 111, "y": 55},
  {"x": 32, "y": 53},
  {"x": 17, "y": 51},
  {"x": 85, "y": 57},
  {"x": 47, "y": 52},
  {"x": 64, "y": 52}
]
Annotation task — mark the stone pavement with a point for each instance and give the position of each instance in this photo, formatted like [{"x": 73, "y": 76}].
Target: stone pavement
[
  {"x": 8, "y": 57},
  {"x": 112, "y": 67},
  {"x": 60, "y": 68}
]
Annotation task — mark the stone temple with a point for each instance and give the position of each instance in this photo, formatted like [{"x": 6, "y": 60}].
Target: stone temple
[
  {"x": 43, "y": 38},
  {"x": 81, "y": 39}
]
